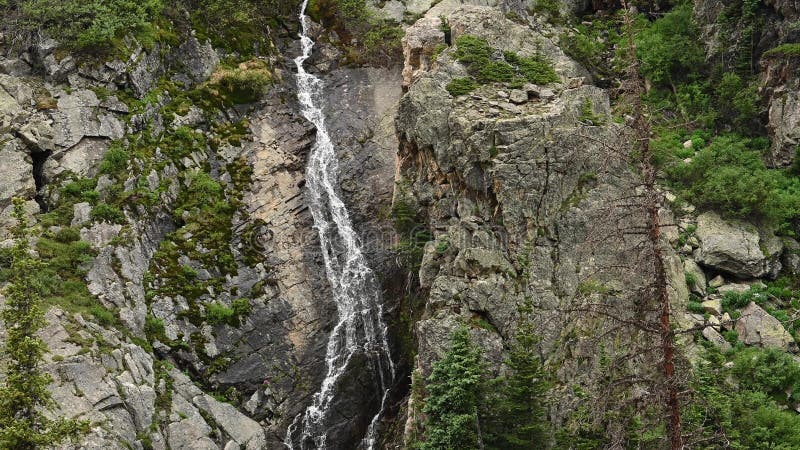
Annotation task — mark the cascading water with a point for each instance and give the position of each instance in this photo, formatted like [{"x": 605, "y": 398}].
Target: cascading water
[{"x": 360, "y": 328}]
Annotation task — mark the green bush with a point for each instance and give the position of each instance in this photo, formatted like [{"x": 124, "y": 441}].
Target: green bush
[
  {"x": 729, "y": 176},
  {"x": 87, "y": 25},
  {"x": 244, "y": 84},
  {"x": 669, "y": 49},
  {"x": 241, "y": 307},
  {"x": 487, "y": 65},
  {"x": 108, "y": 213},
  {"x": 461, "y": 86},
  {"x": 102, "y": 315},
  {"x": 366, "y": 38},
  {"x": 154, "y": 329},
  {"x": 771, "y": 371},
  {"x": 115, "y": 160},
  {"x": 67, "y": 235},
  {"x": 217, "y": 313}
]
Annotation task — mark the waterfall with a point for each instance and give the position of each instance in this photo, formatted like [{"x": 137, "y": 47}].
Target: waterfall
[{"x": 360, "y": 328}]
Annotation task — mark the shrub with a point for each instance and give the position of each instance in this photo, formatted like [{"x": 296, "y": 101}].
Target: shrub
[
  {"x": 696, "y": 307},
  {"x": 108, "y": 213},
  {"x": 241, "y": 307},
  {"x": 244, "y": 84},
  {"x": 487, "y": 65},
  {"x": 86, "y": 25},
  {"x": 102, "y": 315},
  {"x": 115, "y": 160},
  {"x": 669, "y": 49},
  {"x": 217, "y": 313},
  {"x": 154, "y": 328},
  {"x": 67, "y": 235},
  {"x": 768, "y": 370},
  {"x": 730, "y": 177},
  {"x": 783, "y": 50},
  {"x": 461, "y": 86}
]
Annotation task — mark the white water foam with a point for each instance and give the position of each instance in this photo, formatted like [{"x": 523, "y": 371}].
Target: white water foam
[{"x": 360, "y": 327}]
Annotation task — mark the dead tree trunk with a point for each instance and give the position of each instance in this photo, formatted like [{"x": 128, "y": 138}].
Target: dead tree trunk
[{"x": 652, "y": 198}]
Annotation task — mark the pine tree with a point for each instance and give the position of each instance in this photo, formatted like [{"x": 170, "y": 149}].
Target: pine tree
[
  {"x": 453, "y": 397},
  {"x": 24, "y": 390},
  {"x": 516, "y": 410}
]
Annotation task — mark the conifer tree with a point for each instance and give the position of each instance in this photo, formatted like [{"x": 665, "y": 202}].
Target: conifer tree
[
  {"x": 516, "y": 409},
  {"x": 23, "y": 393},
  {"x": 453, "y": 397}
]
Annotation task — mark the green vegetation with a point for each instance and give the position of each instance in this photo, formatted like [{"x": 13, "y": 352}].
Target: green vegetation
[
  {"x": 461, "y": 86},
  {"x": 243, "y": 84},
  {"x": 87, "y": 25},
  {"x": 485, "y": 66},
  {"x": 668, "y": 49},
  {"x": 516, "y": 416},
  {"x": 238, "y": 25},
  {"x": 588, "y": 115},
  {"x": 743, "y": 403},
  {"x": 729, "y": 175},
  {"x": 783, "y": 50},
  {"x": 723, "y": 171},
  {"x": 465, "y": 409},
  {"x": 592, "y": 44},
  {"x": 24, "y": 394},
  {"x": 411, "y": 229},
  {"x": 454, "y": 395},
  {"x": 365, "y": 37},
  {"x": 217, "y": 313}
]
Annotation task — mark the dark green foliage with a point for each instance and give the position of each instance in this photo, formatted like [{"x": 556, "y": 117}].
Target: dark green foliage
[
  {"x": 771, "y": 371},
  {"x": 729, "y": 175},
  {"x": 454, "y": 396},
  {"x": 24, "y": 394},
  {"x": 115, "y": 160},
  {"x": 695, "y": 307},
  {"x": 515, "y": 406},
  {"x": 487, "y": 65},
  {"x": 669, "y": 49},
  {"x": 87, "y": 25},
  {"x": 738, "y": 101},
  {"x": 783, "y": 50},
  {"x": 588, "y": 115},
  {"x": 108, "y": 213},
  {"x": 367, "y": 39},
  {"x": 741, "y": 406},
  {"x": 217, "y": 313},
  {"x": 67, "y": 235},
  {"x": 243, "y": 84},
  {"x": 411, "y": 228},
  {"x": 461, "y": 86},
  {"x": 239, "y": 25},
  {"x": 592, "y": 44}
]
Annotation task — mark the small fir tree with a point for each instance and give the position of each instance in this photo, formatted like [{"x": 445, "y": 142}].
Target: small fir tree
[
  {"x": 453, "y": 400},
  {"x": 516, "y": 412},
  {"x": 23, "y": 393}
]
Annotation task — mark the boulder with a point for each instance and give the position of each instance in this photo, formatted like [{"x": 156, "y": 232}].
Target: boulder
[
  {"x": 791, "y": 256},
  {"x": 195, "y": 61},
  {"x": 713, "y": 306},
  {"x": 16, "y": 173},
  {"x": 736, "y": 248},
  {"x": 738, "y": 288},
  {"x": 713, "y": 335},
  {"x": 699, "y": 285},
  {"x": 81, "y": 213},
  {"x": 757, "y": 327}
]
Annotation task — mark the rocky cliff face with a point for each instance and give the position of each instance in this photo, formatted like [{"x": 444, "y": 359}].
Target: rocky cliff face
[
  {"x": 192, "y": 310},
  {"x": 207, "y": 263}
]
